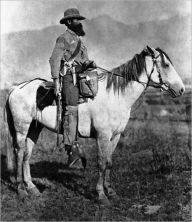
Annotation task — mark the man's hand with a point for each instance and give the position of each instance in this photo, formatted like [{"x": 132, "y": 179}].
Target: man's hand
[
  {"x": 57, "y": 86},
  {"x": 89, "y": 64}
]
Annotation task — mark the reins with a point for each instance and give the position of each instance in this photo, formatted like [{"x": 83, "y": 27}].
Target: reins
[{"x": 105, "y": 70}]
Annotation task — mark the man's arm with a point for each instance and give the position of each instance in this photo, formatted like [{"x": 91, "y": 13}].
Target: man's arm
[
  {"x": 55, "y": 61},
  {"x": 57, "y": 56}
]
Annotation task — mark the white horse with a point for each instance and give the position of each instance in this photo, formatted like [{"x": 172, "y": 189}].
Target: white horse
[{"x": 107, "y": 114}]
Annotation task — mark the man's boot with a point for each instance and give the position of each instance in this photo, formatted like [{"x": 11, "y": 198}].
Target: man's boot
[{"x": 73, "y": 148}]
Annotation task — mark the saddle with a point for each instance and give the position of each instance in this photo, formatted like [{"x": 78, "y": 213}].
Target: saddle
[
  {"x": 88, "y": 88},
  {"x": 45, "y": 94}
]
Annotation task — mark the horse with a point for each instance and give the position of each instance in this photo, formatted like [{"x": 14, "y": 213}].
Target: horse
[{"x": 107, "y": 114}]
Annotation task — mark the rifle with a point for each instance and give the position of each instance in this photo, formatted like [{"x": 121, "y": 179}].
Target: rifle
[{"x": 59, "y": 112}]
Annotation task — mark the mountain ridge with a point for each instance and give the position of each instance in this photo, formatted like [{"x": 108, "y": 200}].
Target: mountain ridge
[{"x": 107, "y": 41}]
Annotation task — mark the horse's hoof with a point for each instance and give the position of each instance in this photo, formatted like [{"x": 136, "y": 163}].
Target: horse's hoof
[
  {"x": 114, "y": 197},
  {"x": 22, "y": 193},
  {"x": 111, "y": 194},
  {"x": 12, "y": 179},
  {"x": 104, "y": 202},
  {"x": 34, "y": 192}
]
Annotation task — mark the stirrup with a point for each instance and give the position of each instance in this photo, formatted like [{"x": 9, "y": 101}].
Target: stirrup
[
  {"x": 76, "y": 153},
  {"x": 72, "y": 160}
]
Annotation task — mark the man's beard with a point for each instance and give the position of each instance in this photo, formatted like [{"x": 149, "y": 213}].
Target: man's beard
[{"x": 78, "y": 29}]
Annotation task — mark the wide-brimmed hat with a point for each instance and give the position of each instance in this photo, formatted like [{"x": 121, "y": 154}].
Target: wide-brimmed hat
[{"x": 71, "y": 13}]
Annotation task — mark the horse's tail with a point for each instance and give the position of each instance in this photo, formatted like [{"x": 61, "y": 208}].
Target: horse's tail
[{"x": 10, "y": 136}]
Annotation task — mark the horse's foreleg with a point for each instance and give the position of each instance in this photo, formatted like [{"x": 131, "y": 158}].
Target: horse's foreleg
[
  {"x": 102, "y": 163},
  {"x": 107, "y": 180}
]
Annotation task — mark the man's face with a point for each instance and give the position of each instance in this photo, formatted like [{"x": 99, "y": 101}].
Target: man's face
[
  {"x": 75, "y": 21},
  {"x": 76, "y": 26}
]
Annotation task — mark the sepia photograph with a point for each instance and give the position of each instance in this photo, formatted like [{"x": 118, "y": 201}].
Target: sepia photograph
[{"x": 95, "y": 110}]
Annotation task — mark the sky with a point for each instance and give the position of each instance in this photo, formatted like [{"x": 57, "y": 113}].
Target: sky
[
  {"x": 23, "y": 15},
  {"x": 37, "y": 14}
]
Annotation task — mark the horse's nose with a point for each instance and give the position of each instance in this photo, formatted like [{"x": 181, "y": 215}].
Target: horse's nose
[{"x": 182, "y": 90}]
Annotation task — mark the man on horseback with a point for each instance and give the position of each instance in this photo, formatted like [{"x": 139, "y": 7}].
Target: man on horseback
[{"x": 70, "y": 54}]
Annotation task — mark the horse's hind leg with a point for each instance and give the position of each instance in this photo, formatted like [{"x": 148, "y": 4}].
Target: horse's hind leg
[
  {"x": 21, "y": 144},
  {"x": 32, "y": 137},
  {"x": 107, "y": 181}
]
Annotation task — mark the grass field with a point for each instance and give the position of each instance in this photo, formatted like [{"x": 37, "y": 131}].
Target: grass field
[{"x": 151, "y": 173}]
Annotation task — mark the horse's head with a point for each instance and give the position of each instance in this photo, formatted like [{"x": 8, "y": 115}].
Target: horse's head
[{"x": 163, "y": 75}]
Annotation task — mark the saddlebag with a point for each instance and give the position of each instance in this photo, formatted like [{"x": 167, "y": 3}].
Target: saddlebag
[{"x": 88, "y": 84}]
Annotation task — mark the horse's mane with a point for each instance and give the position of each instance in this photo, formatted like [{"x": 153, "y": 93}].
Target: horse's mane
[{"x": 130, "y": 71}]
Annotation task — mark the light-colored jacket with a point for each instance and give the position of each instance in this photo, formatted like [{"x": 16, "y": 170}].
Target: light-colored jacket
[{"x": 64, "y": 48}]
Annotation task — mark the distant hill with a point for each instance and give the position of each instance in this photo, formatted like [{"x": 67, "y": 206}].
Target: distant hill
[{"x": 25, "y": 54}]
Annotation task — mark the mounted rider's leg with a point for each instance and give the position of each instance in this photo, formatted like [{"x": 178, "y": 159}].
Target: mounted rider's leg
[
  {"x": 70, "y": 134},
  {"x": 70, "y": 102}
]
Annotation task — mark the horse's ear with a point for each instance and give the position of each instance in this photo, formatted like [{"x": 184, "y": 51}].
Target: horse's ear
[{"x": 152, "y": 51}]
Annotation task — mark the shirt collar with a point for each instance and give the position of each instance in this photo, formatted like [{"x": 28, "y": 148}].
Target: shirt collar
[{"x": 72, "y": 32}]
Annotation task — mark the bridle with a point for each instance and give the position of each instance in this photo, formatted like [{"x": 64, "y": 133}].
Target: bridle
[
  {"x": 161, "y": 85},
  {"x": 150, "y": 82}
]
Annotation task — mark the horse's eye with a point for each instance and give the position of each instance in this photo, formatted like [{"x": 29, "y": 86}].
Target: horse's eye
[{"x": 166, "y": 65}]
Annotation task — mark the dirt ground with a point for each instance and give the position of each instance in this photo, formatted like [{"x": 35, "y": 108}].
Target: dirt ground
[{"x": 151, "y": 174}]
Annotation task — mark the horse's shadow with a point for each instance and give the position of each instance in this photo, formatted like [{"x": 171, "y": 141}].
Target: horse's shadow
[
  {"x": 74, "y": 180},
  {"x": 7, "y": 178},
  {"x": 4, "y": 172}
]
